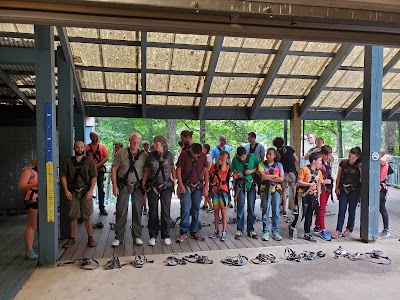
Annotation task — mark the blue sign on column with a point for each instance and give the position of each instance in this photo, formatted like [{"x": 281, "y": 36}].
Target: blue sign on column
[{"x": 49, "y": 130}]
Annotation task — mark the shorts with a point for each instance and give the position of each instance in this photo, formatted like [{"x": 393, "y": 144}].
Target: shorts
[
  {"x": 289, "y": 180},
  {"x": 79, "y": 206},
  {"x": 219, "y": 201},
  {"x": 33, "y": 205}
]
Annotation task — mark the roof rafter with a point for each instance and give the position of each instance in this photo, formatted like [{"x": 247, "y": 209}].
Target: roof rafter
[
  {"x": 210, "y": 74},
  {"x": 270, "y": 76},
  {"x": 11, "y": 84},
  {"x": 393, "y": 62},
  {"x": 64, "y": 40},
  {"x": 326, "y": 75}
]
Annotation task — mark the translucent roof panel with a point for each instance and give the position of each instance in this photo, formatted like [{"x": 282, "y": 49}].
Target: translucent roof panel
[
  {"x": 314, "y": 47},
  {"x": 253, "y": 43},
  {"x": 304, "y": 65},
  {"x": 156, "y": 100},
  {"x": 231, "y": 62},
  {"x": 389, "y": 100},
  {"x": 290, "y": 86},
  {"x": 391, "y": 81},
  {"x": 190, "y": 60},
  {"x": 217, "y": 101},
  {"x": 237, "y": 85},
  {"x": 121, "y": 56},
  {"x": 122, "y": 99},
  {"x": 94, "y": 97},
  {"x": 335, "y": 99},
  {"x": 271, "y": 102},
  {"x": 86, "y": 54},
  {"x": 82, "y": 32},
  {"x": 120, "y": 35},
  {"x": 159, "y": 58},
  {"x": 92, "y": 80},
  {"x": 185, "y": 84},
  {"x": 182, "y": 101},
  {"x": 121, "y": 81},
  {"x": 355, "y": 58},
  {"x": 346, "y": 79},
  {"x": 157, "y": 82},
  {"x": 23, "y": 28}
]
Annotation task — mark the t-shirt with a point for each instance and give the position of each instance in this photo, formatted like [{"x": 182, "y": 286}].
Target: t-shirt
[
  {"x": 217, "y": 149},
  {"x": 238, "y": 165},
  {"x": 122, "y": 162},
  {"x": 86, "y": 173},
  {"x": 189, "y": 172},
  {"x": 152, "y": 164},
  {"x": 209, "y": 159},
  {"x": 222, "y": 178},
  {"x": 350, "y": 173},
  {"x": 259, "y": 150},
  {"x": 305, "y": 175},
  {"x": 97, "y": 153},
  {"x": 265, "y": 167},
  {"x": 383, "y": 172},
  {"x": 287, "y": 159}
]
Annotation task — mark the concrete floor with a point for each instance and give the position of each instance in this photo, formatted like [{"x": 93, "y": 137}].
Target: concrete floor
[{"x": 326, "y": 278}]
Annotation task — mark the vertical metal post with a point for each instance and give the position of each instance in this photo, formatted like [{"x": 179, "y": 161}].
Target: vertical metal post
[
  {"x": 65, "y": 127},
  {"x": 285, "y": 130},
  {"x": 79, "y": 124},
  {"x": 372, "y": 120},
  {"x": 295, "y": 139},
  {"x": 47, "y": 149}
]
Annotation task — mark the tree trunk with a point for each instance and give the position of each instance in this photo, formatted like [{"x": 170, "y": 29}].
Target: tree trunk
[
  {"x": 340, "y": 139},
  {"x": 202, "y": 132},
  {"x": 389, "y": 137},
  {"x": 171, "y": 129}
]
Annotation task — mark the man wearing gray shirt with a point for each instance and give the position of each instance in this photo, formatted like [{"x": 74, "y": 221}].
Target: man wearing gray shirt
[
  {"x": 253, "y": 147},
  {"x": 126, "y": 176}
]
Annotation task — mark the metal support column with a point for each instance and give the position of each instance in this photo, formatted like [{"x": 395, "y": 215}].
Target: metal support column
[
  {"x": 295, "y": 139},
  {"x": 372, "y": 120},
  {"x": 47, "y": 150},
  {"x": 65, "y": 127},
  {"x": 79, "y": 124},
  {"x": 285, "y": 130}
]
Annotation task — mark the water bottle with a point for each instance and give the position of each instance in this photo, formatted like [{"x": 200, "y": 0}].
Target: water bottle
[{"x": 294, "y": 237}]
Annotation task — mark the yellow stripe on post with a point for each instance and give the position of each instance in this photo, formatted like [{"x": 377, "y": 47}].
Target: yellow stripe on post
[{"x": 50, "y": 192}]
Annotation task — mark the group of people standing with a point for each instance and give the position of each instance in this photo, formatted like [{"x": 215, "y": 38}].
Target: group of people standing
[{"x": 150, "y": 173}]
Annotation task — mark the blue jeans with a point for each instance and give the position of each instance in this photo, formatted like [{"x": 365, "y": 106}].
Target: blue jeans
[
  {"x": 351, "y": 200},
  {"x": 269, "y": 201},
  {"x": 190, "y": 206},
  {"x": 251, "y": 217}
]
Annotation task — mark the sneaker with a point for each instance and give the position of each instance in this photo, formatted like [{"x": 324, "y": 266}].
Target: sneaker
[
  {"x": 336, "y": 234},
  {"x": 152, "y": 242},
  {"x": 116, "y": 243},
  {"x": 144, "y": 211},
  {"x": 231, "y": 205},
  {"x": 238, "y": 235},
  {"x": 205, "y": 207},
  {"x": 283, "y": 212},
  {"x": 309, "y": 237},
  {"x": 276, "y": 236},
  {"x": 91, "y": 242},
  {"x": 253, "y": 235},
  {"x": 167, "y": 242},
  {"x": 210, "y": 209},
  {"x": 385, "y": 233},
  {"x": 103, "y": 212},
  {"x": 197, "y": 236},
  {"x": 181, "y": 238},
  {"x": 347, "y": 232},
  {"x": 224, "y": 236},
  {"x": 138, "y": 242},
  {"x": 295, "y": 211},
  {"x": 69, "y": 243},
  {"x": 265, "y": 236},
  {"x": 317, "y": 230},
  {"x": 325, "y": 235},
  {"x": 31, "y": 255},
  {"x": 214, "y": 234}
]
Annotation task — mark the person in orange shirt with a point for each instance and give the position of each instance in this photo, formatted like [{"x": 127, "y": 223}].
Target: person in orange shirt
[
  {"x": 98, "y": 152},
  {"x": 219, "y": 177},
  {"x": 309, "y": 187}
]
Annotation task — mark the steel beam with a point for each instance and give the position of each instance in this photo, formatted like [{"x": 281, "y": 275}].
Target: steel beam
[
  {"x": 326, "y": 75},
  {"x": 143, "y": 51},
  {"x": 64, "y": 40},
  {"x": 11, "y": 84},
  {"x": 17, "y": 56},
  {"x": 47, "y": 149},
  {"x": 393, "y": 62},
  {"x": 269, "y": 77},
  {"x": 372, "y": 120},
  {"x": 210, "y": 74}
]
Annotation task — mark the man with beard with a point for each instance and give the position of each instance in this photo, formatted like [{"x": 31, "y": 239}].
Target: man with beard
[{"x": 78, "y": 178}]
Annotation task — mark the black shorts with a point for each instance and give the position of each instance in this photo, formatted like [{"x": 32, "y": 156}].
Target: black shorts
[{"x": 33, "y": 205}]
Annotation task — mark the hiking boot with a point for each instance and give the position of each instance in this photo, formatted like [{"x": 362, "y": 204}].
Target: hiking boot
[
  {"x": 197, "y": 236},
  {"x": 336, "y": 234},
  {"x": 152, "y": 242},
  {"x": 385, "y": 233},
  {"x": 181, "y": 238},
  {"x": 103, "y": 212},
  {"x": 238, "y": 235},
  {"x": 276, "y": 236},
  {"x": 265, "y": 236},
  {"x": 224, "y": 236},
  {"x": 167, "y": 242},
  {"x": 116, "y": 243},
  {"x": 214, "y": 234},
  {"x": 69, "y": 243},
  {"x": 253, "y": 235},
  {"x": 31, "y": 255},
  {"x": 138, "y": 242},
  {"x": 317, "y": 230},
  {"x": 347, "y": 232},
  {"x": 325, "y": 235},
  {"x": 91, "y": 242},
  {"x": 309, "y": 237},
  {"x": 144, "y": 211}
]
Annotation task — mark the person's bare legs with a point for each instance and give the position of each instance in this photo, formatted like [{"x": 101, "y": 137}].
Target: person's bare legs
[
  {"x": 224, "y": 220},
  {"x": 89, "y": 227},
  {"x": 284, "y": 199},
  {"x": 73, "y": 226},
  {"x": 30, "y": 229},
  {"x": 216, "y": 218}
]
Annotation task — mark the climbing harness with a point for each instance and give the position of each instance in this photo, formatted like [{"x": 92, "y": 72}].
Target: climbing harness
[
  {"x": 123, "y": 181},
  {"x": 175, "y": 222},
  {"x": 98, "y": 225},
  {"x": 112, "y": 226},
  {"x": 85, "y": 263},
  {"x": 264, "y": 259},
  {"x": 140, "y": 260},
  {"x": 175, "y": 260},
  {"x": 238, "y": 260},
  {"x": 231, "y": 220},
  {"x": 374, "y": 254},
  {"x": 200, "y": 259},
  {"x": 114, "y": 263},
  {"x": 291, "y": 255}
]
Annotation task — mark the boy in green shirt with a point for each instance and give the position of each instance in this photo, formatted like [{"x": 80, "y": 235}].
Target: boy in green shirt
[{"x": 243, "y": 167}]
